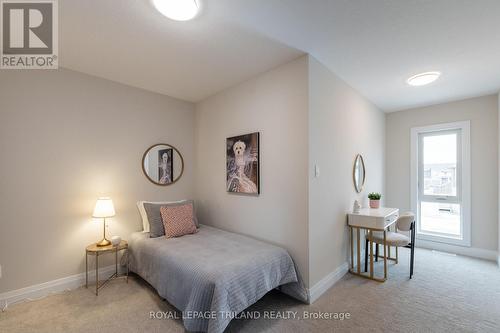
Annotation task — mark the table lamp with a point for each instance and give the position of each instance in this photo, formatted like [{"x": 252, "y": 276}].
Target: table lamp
[{"x": 104, "y": 208}]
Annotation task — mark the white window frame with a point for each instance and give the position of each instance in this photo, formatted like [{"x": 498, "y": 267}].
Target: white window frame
[{"x": 464, "y": 179}]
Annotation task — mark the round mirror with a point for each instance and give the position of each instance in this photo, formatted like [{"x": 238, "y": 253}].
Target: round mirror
[
  {"x": 359, "y": 173},
  {"x": 162, "y": 164}
]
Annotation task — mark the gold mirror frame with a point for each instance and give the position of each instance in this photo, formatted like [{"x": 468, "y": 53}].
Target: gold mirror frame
[
  {"x": 357, "y": 187},
  {"x": 146, "y": 174}
]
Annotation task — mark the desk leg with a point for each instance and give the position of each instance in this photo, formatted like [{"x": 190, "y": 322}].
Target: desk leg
[
  {"x": 86, "y": 270},
  {"x": 127, "y": 253},
  {"x": 371, "y": 253},
  {"x": 358, "y": 254},
  {"x": 97, "y": 273},
  {"x": 385, "y": 254},
  {"x": 351, "y": 240},
  {"x": 116, "y": 261},
  {"x": 389, "y": 248}
]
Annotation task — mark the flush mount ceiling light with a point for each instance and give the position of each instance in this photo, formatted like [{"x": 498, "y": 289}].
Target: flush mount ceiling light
[
  {"x": 423, "y": 78},
  {"x": 178, "y": 10}
]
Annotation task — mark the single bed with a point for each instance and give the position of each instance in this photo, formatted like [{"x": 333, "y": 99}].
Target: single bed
[{"x": 214, "y": 274}]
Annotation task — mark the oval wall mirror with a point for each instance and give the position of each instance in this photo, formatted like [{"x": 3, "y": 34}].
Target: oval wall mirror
[
  {"x": 359, "y": 173},
  {"x": 162, "y": 164}
]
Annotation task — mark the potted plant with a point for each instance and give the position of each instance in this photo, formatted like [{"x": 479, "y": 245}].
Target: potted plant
[{"x": 374, "y": 199}]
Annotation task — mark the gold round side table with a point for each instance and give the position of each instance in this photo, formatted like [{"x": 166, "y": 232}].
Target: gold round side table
[{"x": 97, "y": 251}]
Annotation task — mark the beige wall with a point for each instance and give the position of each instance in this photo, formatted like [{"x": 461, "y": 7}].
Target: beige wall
[
  {"x": 483, "y": 115},
  {"x": 274, "y": 104},
  {"x": 306, "y": 116},
  {"x": 65, "y": 139},
  {"x": 69, "y": 138},
  {"x": 341, "y": 124}
]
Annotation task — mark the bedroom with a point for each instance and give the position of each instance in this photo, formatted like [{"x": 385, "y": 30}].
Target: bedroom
[{"x": 315, "y": 81}]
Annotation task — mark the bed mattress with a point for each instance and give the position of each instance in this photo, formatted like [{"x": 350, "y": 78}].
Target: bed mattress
[{"x": 213, "y": 275}]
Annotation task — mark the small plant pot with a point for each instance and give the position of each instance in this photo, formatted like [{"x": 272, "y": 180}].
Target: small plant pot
[{"x": 374, "y": 203}]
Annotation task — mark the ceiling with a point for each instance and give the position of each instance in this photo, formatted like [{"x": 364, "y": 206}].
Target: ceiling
[
  {"x": 130, "y": 42},
  {"x": 374, "y": 45}
]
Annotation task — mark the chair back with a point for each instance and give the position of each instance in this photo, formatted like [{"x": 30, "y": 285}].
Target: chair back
[{"x": 405, "y": 221}]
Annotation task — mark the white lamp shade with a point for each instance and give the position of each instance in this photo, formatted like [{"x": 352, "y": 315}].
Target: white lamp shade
[{"x": 104, "y": 208}]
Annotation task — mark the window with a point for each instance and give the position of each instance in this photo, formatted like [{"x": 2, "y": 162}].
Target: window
[{"x": 441, "y": 182}]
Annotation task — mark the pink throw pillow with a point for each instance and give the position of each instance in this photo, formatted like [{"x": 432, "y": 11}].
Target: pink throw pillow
[{"x": 178, "y": 220}]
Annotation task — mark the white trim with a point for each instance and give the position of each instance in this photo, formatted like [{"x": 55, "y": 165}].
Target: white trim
[
  {"x": 327, "y": 282},
  {"x": 465, "y": 179},
  {"x": 460, "y": 250},
  {"x": 55, "y": 286}
]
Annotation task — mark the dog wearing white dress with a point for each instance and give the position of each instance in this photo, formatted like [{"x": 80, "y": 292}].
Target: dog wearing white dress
[{"x": 245, "y": 184}]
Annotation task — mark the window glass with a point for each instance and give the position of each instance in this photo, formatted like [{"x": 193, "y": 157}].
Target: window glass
[{"x": 440, "y": 165}]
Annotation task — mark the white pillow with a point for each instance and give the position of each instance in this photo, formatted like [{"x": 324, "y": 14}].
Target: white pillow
[{"x": 144, "y": 216}]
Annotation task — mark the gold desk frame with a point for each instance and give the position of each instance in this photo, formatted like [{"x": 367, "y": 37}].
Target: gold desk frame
[{"x": 356, "y": 269}]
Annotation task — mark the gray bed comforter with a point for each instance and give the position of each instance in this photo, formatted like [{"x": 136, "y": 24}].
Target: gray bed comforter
[{"x": 214, "y": 273}]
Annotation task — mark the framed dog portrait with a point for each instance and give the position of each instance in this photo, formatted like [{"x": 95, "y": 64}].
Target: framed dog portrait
[
  {"x": 165, "y": 166},
  {"x": 242, "y": 164}
]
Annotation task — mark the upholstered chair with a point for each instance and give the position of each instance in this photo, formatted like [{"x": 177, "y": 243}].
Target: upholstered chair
[{"x": 405, "y": 223}]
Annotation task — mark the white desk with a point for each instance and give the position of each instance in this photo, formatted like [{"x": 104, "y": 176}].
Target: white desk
[{"x": 369, "y": 219}]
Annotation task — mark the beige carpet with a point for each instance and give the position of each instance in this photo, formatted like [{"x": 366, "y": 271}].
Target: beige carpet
[{"x": 447, "y": 294}]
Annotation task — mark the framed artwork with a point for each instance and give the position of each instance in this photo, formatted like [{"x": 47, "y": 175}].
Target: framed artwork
[
  {"x": 165, "y": 166},
  {"x": 242, "y": 164}
]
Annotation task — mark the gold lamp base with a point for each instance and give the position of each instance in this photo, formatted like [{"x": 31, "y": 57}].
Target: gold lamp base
[{"x": 104, "y": 242}]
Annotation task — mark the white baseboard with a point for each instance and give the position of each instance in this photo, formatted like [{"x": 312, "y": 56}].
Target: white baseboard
[
  {"x": 327, "y": 282},
  {"x": 44, "y": 289},
  {"x": 461, "y": 250}
]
